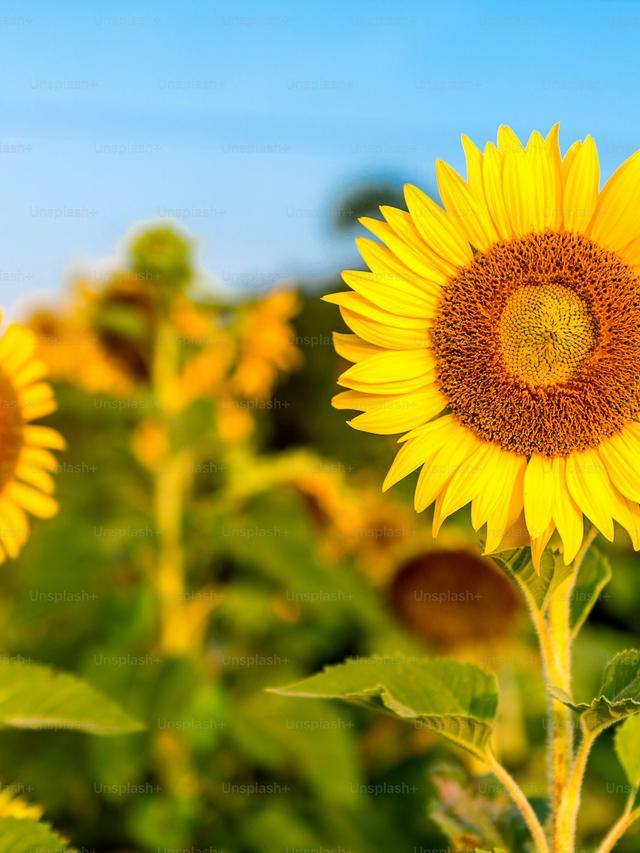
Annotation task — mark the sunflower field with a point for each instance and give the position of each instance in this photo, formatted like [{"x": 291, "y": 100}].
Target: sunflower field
[{"x": 345, "y": 562}]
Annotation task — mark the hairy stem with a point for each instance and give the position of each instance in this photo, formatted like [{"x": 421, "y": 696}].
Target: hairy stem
[
  {"x": 169, "y": 484},
  {"x": 558, "y": 670},
  {"x": 555, "y": 640},
  {"x": 519, "y": 798},
  {"x": 626, "y": 819},
  {"x": 564, "y": 838}
]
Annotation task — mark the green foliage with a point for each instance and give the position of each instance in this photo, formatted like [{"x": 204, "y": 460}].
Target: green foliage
[
  {"x": 619, "y": 694},
  {"x": 627, "y": 745},
  {"x": 457, "y": 700},
  {"x": 29, "y": 836},
  {"x": 594, "y": 575},
  {"x": 537, "y": 586},
  {"x": 279, "y": 732},
  {"x": 36, "y": 697}
]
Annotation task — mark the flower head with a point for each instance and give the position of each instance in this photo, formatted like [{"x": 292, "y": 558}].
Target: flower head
[
  {"x": 26, "y": 461},
  {"x": 500, "y": 333}
]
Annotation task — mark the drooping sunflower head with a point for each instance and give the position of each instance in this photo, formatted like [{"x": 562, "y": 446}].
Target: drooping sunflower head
[
  {"x": 500, "y": 332},
  {"x": 26, "y": 461}
]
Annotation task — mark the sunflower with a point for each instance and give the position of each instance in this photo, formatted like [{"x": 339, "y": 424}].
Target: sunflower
[
  {"x": 267, "y": 344},
  {"x": 500, "y": 333},
  {"x": 26, "y": 484}
]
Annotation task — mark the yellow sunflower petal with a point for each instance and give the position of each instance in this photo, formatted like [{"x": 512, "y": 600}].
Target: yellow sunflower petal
[
  {"x": 38, "y": 457},
  {"x": 436, "y": 228},
  {"x": 568, "y": 159},
  {"x": 14, "y": 520},
  {"x": 36, "y": 477},
  {"x": 521, "y": 185},
  {"x": 467, "y": 481},
  {"x": 38, "y": 393},
  {"x": 494, "y": 503},
  {"x": 539, "y": 543},
  {"x": 538, "y": 495},
  {"x": 353, "y": 348},
  {"x": 420, "y": 446},
  {"x": 38, "y": 504},
  {"x": 590, "y": 487},
  {"x": 42, "y": 436},
  {"x": 621, "y": 456},
  {"x": 8, "y": 538},
  {"x": 496, "y": 466},
  {"x": 365, "y": 402},
  {"x": 627, "y": 513},
  {"x": 17, "y": 345},
  {"x": 34, "y": 410},
  {"x": 30, "y": 372},
  {"x": 508, "y": 509},
  {"x": 581, "y": 187},
  {"x": 402, "y": 413},
  {"x": 383, "y": 335},
  {"x": 388, "y": 368},
  {"x": 394, "y": 294},
  {"x": 382, "y": 261},
  {"x": 436, "y": 473},
  {"x": 566, "y": 515},
  {"x": 359, "y": 305},
  {"x": 615, "y": 221},
  {"x": 466, "y": 209},
  {"x": 416, "y": 256},
  {"x": 492, "y": 182},
  {"x": 402, "y": 222},
  {"x": 3, "y": 550},
  {"x": 554, "y": 191},
  {"x": 358, "y": 400},
  {"x": 473, "y": 157},
  {"x": 508, "y": 142}
]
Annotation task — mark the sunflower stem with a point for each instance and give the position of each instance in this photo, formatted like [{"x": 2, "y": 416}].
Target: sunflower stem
[
  {"x": 566, "y": 770},
  {"x": 565, "y": 827},
  {"x": 558, "y": 670},
  {"x": 520, "y": 800},
  {"x": 169, "y": 486},
  {"x": 626, "y": 819}
]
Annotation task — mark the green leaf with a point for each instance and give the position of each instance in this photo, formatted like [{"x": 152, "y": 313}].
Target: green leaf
[
  {"x": 22, "y": 835},
  {"x": 537, "y": 586},
  {"x": 594, "y": 575},
  {"x": 36, "y": 697},
  {"x": 619, "y": 695},
  {"x": 458, "y": 700},
  {"x": 627, "y": 746},
  {"x": 319, "y": 742}
]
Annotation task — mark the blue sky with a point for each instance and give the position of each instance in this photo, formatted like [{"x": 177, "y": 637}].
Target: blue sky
[{"x": 246, "y": 120}]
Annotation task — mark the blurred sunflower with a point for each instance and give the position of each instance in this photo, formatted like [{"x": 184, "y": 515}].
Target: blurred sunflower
[
  {"x": 73, "y": 351},
  {"x": 122, "y": 313},
  {"x": 501, "y": 334},
  {"x": 436, "y": 594},
  {"x": 26, "y": 485},
  {"x": 266, "y": 344}
]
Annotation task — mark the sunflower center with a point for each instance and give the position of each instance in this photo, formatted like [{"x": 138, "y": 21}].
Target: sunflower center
[
  {"x": 10, "y": 429},
  {"x": 546, "y": 332},
  {"x": 537, "y": 344}
]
